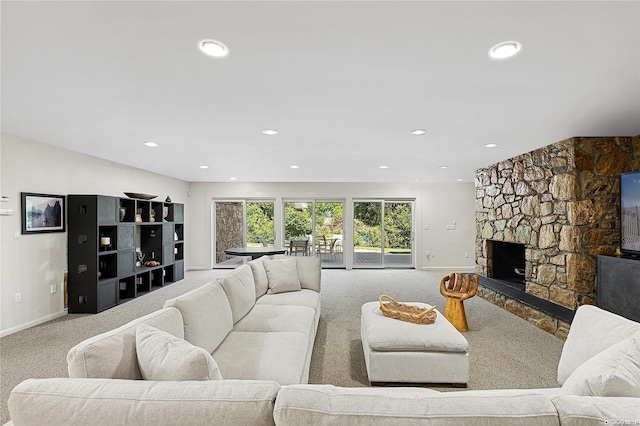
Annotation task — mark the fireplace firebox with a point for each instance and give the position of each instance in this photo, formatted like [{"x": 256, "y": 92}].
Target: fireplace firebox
[{"x": 508, "y": 263}]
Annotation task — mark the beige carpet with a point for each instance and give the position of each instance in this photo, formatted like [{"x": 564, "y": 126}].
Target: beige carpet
[{"x": 505, "y": 351}]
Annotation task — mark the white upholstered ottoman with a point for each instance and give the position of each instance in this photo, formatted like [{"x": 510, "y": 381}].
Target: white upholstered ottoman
[{"x": 401, "y": 352}]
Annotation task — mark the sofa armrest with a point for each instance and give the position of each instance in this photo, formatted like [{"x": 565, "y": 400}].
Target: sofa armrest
[
  {"x": 64, "y": 401},
  {"x": 576, "y": 410},
  {"x": 94, "y": 357},
  {"x": 592, "y": 331}
]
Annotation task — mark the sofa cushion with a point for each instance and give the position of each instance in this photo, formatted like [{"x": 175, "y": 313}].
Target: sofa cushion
[
  {"x": 613, "y": 372},
  {"x": 592, "y": 321},
  {"x": 95, "y": 357},
  {"x": 330, "y": 405},
  {"x": 162, "y": 356},
  {"x": 304, "y": 297},
  {"x": 282, "y": 275},
  {"x": 259, "y": 276},
  {"x": 240, "y": 290},
  {"x": 278, "y": 356},
  {"x": 278, "y": 318},
  {"x": 206, "y": 314},
  {"x": 64, "y": 401}
]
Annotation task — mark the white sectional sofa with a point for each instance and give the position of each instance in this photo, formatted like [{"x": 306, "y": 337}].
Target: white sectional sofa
[{"x": 258, "y": 377}]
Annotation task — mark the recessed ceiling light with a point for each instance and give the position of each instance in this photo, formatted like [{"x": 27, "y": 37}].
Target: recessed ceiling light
[
  {"x": 444, "y": 167},
  {"x": 418, "y": 132},
  {"x": 213, "y": 48},
  {"x": 232, "y": 178},
  {"x": 204, "y": 167},
  {"x": 505, "y": 50},
  {"x": 459, "y": 180},
  {"x": 151, "y": 144},
  {"x": 491, "y": 145},
  {"x": 383, "y": 167},
  {"x": 270, "y": 132},
  {"x": 294, "y": 167}
]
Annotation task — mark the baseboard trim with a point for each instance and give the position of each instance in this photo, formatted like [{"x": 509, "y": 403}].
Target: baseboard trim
[
  {"x": 449, "y": 268},
  {"x": 197, "y": 268},
  {"x": 32, "y": 323}
]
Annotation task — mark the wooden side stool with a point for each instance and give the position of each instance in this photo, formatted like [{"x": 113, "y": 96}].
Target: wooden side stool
[{"x": 456, "y": 291}]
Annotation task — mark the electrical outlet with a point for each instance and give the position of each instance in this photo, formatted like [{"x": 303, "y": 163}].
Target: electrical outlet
[
  {"x": 433, "y": 255},
  {"x": 18, "y": 297},
  {"x": 466, "y": 254},
  {"x": 54, "y": 288}
]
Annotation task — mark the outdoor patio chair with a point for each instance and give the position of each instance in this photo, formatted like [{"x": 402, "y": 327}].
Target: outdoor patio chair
[
  {"x": 299, "y": 246},
  {"x": 327, "y": 247}
]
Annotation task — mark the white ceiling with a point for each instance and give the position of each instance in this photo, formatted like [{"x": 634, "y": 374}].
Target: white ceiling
[{"x": 343, "y": 82}]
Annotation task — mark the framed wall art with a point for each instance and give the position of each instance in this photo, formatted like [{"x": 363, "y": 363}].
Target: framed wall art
[{"x": 42, "y": 213}]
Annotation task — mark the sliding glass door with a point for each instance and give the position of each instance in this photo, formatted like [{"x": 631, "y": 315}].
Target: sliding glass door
[
  {"x": 315, "y": 228},
  {"x": 259, "y": 223},
  {"x": 242, "y": 223},
  {"x": 329, "y": 232},
  {"x": 367, "y": 234},
  {"x": 383, "y": 233},
  {"x": 398, "y": 233}
]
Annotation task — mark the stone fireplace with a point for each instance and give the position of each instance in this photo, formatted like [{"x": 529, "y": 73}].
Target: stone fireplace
[{"x": 560, "y": 205}]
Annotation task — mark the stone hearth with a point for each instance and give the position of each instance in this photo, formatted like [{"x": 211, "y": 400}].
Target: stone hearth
[{"x": 561, "y": 203}]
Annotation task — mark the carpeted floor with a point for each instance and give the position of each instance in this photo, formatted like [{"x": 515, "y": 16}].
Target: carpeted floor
[{"x": 505, "y": 351}]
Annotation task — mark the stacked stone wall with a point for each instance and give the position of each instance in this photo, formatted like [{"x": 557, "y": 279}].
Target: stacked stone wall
[
  {"x": 229, "y": 222},
  {"x": 562, "y": 203}
]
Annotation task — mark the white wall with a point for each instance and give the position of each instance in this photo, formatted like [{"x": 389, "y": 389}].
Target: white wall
[
  {"x": 32, "y": 263},
  {"x": 437, "y": 205}
]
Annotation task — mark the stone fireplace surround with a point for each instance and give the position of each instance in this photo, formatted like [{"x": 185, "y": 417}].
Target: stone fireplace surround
[{"x": 561, "y": 203}]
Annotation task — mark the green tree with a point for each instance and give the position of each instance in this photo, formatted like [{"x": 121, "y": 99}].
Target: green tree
[
  {"x": 297, "y": 221},
  {"x": 260, "y": 223},
  {"x": 397, "y": 225},
  {"x": 370, "y": 213},
  {"x": 329, "y": 219}
]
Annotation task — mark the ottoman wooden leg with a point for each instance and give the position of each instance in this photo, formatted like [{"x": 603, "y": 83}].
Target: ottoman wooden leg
[{"x": 454, "y": 312}]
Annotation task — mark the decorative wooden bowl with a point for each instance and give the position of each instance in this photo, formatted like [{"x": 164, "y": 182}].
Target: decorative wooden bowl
[{"x": 140, "y": 196}]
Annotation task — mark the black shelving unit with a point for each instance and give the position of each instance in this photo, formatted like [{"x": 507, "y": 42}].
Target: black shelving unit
[{"x": 106, "y": 235}]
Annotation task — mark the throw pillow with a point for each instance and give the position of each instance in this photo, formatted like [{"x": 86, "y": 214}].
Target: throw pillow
[
  {"x": 613, "y": 372},
  {"x": 259, "y": 276},
  {"x": 163, "y": 356},
  {"x": 282, "y": 275}
]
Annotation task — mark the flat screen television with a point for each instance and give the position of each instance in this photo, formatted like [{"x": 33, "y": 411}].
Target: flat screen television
[{"x": 630, "y": 213}]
